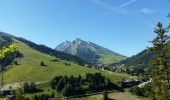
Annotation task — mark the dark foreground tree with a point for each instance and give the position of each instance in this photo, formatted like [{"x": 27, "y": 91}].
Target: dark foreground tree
[{"x": 160, "y": 69}]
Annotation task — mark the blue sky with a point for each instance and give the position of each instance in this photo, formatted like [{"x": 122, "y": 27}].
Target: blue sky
[{"x": 124, "y": 26}]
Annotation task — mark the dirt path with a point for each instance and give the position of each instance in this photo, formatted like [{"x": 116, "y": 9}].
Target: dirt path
[{"x": 18, "y": 84}]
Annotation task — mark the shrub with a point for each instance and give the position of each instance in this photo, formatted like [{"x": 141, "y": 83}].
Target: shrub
[
  {"x": 137, "y": 91},
  {"x": 15, "y": 62},
  {"x": 42, "y": 63}
]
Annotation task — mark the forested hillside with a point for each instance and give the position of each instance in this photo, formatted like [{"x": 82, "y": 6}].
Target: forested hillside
[{"x": 141, "y": 60}]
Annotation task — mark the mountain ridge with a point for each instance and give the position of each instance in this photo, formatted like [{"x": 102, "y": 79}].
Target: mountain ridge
[{"x": 90, "y": 52}]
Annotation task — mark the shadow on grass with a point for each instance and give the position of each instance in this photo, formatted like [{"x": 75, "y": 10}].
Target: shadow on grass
[{"x": 36, "y": 91}]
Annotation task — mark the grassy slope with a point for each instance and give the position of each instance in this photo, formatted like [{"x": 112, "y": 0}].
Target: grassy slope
[
  {"x": 109, "y": 59},
  {"x": 30, "y": 69},
  {"x": 44, "y": 89}
]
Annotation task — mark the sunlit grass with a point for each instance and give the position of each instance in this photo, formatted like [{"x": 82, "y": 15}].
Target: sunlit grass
[{"x": 29, "y": 68}]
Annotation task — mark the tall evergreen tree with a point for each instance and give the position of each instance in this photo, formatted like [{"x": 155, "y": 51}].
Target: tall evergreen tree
[
  {"x": 32, "y": 87},
  {"x": 26, "y": 87},
  {"x": 60, "y": 85},
  {"x": 105, "y": 95},
  {"x": 68, "y": 90},
  {"x": 19, "y": 94},
  {"x": 160, "y": 70}
]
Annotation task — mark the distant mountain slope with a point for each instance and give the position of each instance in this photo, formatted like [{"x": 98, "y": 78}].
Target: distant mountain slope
[
  {"x": 141, "y": 60},
  {"x": 4, "y": 38},
  {"x": 90, "y": 52},
  {"x": 42, "y": 48}
]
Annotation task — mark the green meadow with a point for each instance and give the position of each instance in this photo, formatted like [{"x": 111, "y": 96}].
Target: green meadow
[{"x": 29, "y": 68}]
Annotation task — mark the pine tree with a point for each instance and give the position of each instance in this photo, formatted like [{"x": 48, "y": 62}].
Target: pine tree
[
  {"x": 19, "y": 94},
  {"x": 36, "y": 97},
  {"x": 105, "y": 95},
  {"x": 26, "y": 87},
  {"x": 65, "y": 91},
  {"x": 52, "y": 94},
  {"x": 160, "y": 70},
  {"x": 55, "y": 81},
  {"x": 32, "y": 87},
  {"x": 60, "y": 85}
]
